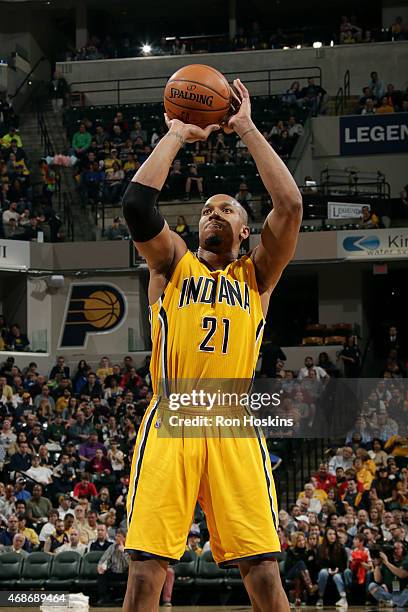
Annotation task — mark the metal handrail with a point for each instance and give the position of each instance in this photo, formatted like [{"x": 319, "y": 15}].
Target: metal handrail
[
  {"x": 346, "y": 84},
  {"x": 163, "y": 79},
  {"x": 67, "y": 204},
  {"x": 28, "y": 76},
  {"x": 343, "y": 94},
  {"x": 339, "y": 101}
]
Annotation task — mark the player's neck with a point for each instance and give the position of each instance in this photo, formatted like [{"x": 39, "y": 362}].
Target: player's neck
[{"x": 216, "y": 261}]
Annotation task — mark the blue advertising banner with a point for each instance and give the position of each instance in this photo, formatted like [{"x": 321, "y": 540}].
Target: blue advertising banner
[{"x": 365, "y": 134}]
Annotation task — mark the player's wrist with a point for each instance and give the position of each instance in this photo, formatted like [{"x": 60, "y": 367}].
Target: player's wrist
[
  {"x": 244, "y": 127},
  {"x": 178, "y": 133}
]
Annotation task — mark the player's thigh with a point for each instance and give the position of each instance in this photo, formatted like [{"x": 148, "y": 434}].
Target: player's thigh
[
  {"x": 239, "y": 490},
  {"x": 162, "y": 494}
]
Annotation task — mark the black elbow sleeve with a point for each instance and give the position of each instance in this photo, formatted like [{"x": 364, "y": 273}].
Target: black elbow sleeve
[{"x": 139, "y": 205}]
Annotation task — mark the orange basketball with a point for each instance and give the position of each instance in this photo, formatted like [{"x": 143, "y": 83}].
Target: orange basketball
[{"x": 197, "y": 94}]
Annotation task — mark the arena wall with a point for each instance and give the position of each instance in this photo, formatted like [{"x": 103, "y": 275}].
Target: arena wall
[
  {"x": 389, "y": 58},
  {"x": 325, "y": 152}
]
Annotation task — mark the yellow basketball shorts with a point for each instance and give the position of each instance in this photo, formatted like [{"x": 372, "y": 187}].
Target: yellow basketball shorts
[{"x": 231, "y": 477}]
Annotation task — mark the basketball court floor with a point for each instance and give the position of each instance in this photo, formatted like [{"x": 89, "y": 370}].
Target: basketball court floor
[{"x": 223, "y": 609}]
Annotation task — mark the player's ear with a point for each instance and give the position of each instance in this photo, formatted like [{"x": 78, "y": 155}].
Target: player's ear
[{"x": 245, "y": 232}]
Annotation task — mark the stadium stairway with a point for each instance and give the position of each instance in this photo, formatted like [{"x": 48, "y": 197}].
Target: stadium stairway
[
  {"x": 349, "y": 106},
  {"x": 84, "y": 230}
]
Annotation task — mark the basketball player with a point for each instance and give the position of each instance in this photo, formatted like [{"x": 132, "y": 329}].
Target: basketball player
[{"x": 207, "y": 316}]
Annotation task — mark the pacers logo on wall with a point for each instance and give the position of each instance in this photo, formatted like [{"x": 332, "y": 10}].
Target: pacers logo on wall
[{"x": 92, "y": 309}]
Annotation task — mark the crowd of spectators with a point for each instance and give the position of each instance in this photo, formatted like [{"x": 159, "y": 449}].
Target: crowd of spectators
[
  {"x": 109, "y": 154},
  {"x": 379, "y": 98},
  {"x": 27, "y": 211},
  {"x": 247, "y": 38}
]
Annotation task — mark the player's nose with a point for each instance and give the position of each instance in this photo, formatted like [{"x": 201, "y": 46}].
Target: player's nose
[{"x": 214, "y": 214}]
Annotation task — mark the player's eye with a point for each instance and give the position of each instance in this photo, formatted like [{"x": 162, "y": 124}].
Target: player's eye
[
  {"x": 206, "y": 211},
  {"x": 227, "y": 210}
]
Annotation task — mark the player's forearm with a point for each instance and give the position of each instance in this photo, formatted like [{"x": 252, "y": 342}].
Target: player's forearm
[
  {"x": 153, "y": 172},
  {"x": 274, "y": 173}
]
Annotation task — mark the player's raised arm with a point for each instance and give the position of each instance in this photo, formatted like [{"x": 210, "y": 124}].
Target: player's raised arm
[
  {"x": 281, "y": 228},
  {"x": 152, "y": 236}
]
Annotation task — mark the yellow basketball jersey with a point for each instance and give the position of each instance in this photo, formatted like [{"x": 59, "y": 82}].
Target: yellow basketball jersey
[{"x": 207, "y": 324}]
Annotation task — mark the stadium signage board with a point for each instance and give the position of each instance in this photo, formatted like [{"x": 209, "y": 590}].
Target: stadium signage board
[
  {"x": 368, "y": 134},
  {"x": 14, "y": 255},
  {"x": 344, "y": 210},
  {"x": 373, "y": 244}
]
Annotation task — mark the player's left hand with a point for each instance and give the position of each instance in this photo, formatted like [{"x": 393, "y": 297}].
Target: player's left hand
[
  {"x": 188, "y": 132},
  {"x": 241, "y": 119}
]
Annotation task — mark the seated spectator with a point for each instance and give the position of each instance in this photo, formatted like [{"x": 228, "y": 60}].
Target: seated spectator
[
  {"x": 176, "y": 180},
  {"x": 369, "y": 219},
  {"x": 101, "y": 543},
  {"x": 292, "y": 94},
  {"x": 315, "y": 497},
  {"x": 118, "y": 230},
  {"x": 38, "y": 507},
  {"x": 7, "y": 535},
  {"x": 385, "y": 106},
  {"x": 360, "y": 561},
  {"x": 21, "y": 460},
  {"x": 100, "y": 466},
  {"x": 74, "y": 544},
  {"x": 369, "y": 107},
  {"x": 295, "y": 129},
  {"x": 114, "y": 183},
  {"x": 322, "y": 479},
  {"x": 116, "y": 457},
  {"x": 295, "y": 568},
  {"x": 244, "y": 197},
  {"x": 343, "y": 459},
  {"x": 321, "y": 374},
  {"x": 49, "y": 528},
  {"x": 85, "y": 488},
  {"x": 10, "y": 136},
  {"x": 326, "y": 363},
  {"x": 91, "y": 184},
  {"x": 102, "y": 502},
  {"x": 394, "y": 97},
  {"x": 58, "y": 538},
  {"x": 194, "y": 179},
  {"x": 130, "y": 166},
  {"x": 27, "y": 532},
  {"x": 39, "y": 473},
  {"x": 17, "y": 546},
  {"x": 112, "y": 567},
  {"x": 182, "y": 228},
  {"x": 313, "y": 96},
  {"x": 92, "y": 388},
  {"x": 16, "y": 340},
  {"x": 332, "y": 563},
  {"x": 80, "y": 429},
  {"x": 81, "y": 141}
]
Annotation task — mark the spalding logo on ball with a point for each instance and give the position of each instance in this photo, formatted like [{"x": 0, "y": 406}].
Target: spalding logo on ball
[
  {"x": 92, "y": 309},
  {"x": 197, "y": 94}
]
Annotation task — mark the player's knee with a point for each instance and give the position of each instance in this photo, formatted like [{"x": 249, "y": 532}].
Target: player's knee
[
  {"x": 266, "y": 575},
  {"x": 142, "y": 580}
]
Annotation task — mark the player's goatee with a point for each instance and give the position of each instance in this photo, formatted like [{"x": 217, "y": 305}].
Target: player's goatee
[{"x": 213, "y": 241}]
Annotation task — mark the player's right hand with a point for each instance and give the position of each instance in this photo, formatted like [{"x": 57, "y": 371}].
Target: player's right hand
[{"x": 188, "y": 132}]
